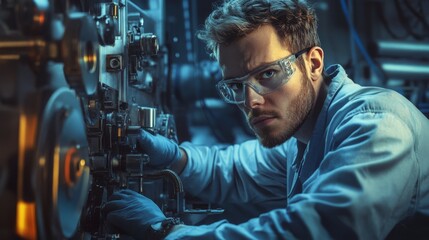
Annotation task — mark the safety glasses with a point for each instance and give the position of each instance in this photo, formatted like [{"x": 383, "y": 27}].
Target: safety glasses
[{"x": 262, "y": 80}]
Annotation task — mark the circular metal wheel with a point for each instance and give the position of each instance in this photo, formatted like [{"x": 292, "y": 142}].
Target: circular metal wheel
[
  {"x": 81, "y": 60},
  {"x": 61, "y": 175}
]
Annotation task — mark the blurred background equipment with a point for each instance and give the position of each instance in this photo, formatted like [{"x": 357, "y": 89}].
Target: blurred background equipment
[
  {"x": 80, "y": 79},
  {"x": 44, "y": 148}
]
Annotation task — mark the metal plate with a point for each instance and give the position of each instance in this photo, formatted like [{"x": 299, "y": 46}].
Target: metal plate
[{"x": 61, "y": 174}]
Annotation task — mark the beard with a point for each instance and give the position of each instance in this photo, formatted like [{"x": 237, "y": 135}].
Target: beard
[{"x": 295, "y": 116}]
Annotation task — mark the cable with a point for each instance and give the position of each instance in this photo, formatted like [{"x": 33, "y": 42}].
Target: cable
[
  {"x": 383, "y": 19},
  {"x": 422, "y": 9},
  {"x": 354, "y": 57},
  {"x": 416, "y": 13},
  {"x": 373, "y": 66},
  {"x": 405, "y": 21},
  {"x": 190, "y": 22}
]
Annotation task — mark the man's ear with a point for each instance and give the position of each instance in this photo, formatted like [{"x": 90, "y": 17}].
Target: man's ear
[{"x": 315, "y": 59}]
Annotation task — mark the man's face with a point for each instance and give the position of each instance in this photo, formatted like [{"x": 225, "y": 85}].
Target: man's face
[{"x": 276, "y": 116}]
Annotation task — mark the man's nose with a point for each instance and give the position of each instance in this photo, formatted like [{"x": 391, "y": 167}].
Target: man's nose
[{"x": 252, "y": 99}]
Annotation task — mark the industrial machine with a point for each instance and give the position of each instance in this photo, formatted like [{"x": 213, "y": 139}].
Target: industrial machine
[{"x": 79, "y": 81}]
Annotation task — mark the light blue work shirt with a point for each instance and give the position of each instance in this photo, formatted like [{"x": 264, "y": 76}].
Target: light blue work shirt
[{"x": 364, "y": 170}]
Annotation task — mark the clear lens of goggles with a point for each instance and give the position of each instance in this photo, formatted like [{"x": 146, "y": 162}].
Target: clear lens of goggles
[
  {"x": 262, "y": 80},
  {"x": 266, "y": 81}
]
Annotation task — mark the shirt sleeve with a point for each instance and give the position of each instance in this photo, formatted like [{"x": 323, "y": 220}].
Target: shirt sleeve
[
  {"x": 365, "y": 184},
  {"x": 245, "y": 172}
]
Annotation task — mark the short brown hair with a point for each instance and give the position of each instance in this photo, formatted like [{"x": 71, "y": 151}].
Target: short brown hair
[{"x": 294, "y": 20}]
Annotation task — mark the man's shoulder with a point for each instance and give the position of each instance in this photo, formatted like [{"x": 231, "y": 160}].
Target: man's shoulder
[
  {"x": 354, "y": 99},
  {"x": 367, "y": 102}
]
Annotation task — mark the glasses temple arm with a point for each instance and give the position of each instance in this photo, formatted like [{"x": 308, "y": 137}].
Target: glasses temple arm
[{"x": 302, "y": 52}]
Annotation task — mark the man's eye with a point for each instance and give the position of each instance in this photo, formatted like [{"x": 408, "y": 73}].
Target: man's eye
[
  {"x": 268, "y": 74},
  {"x": 235, "y": 86}
]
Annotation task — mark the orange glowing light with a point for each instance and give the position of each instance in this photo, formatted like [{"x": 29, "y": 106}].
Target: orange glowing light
[
  {"x": 26, "y": 227},
  {"x": 39, "y": 18},
  {"x": 26, "y": 220},
  {"x": 67, "y": 164}
]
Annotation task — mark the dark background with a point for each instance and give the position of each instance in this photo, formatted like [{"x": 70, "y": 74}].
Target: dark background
[{"x": 379, "y": 42}]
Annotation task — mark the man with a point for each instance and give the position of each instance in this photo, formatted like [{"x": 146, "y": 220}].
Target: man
[{"x": 352, "y": 161}]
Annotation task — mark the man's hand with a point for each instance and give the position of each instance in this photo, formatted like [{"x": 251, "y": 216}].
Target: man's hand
[
  {"x": 132, "y": 213},
  {"x": 161, "y": 150}
]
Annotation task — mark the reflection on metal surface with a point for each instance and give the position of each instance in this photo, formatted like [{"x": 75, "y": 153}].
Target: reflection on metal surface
[
  {"x": 147, "y": 117},
  {"x": 25, "y": 208},
  {"x": 81, "y": 66},
  {"x": 409, "y": 70},
  {"x": 26, "y": 227}
]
